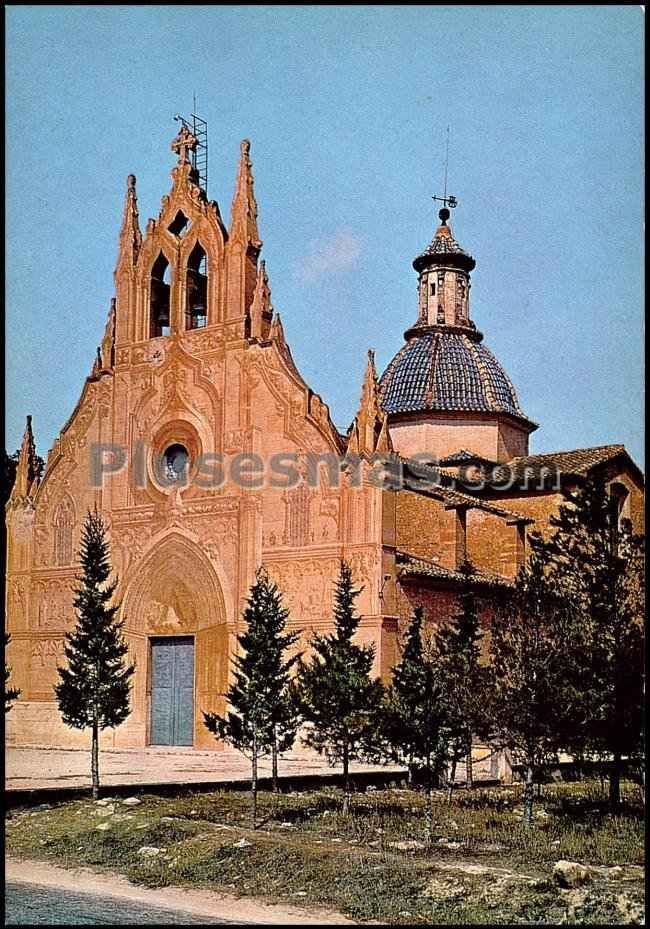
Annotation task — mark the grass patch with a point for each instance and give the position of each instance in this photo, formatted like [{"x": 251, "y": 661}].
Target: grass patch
[{"x": 370, "y": 864}]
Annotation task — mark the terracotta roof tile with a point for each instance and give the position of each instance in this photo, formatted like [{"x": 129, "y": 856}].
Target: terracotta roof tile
[
  {"x": 576, "y": 462},
  {"x": 455, "y": 498},
  {"x": 412, "y": 566}
]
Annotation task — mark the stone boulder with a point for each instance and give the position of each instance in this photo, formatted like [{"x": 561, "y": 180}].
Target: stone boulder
[
  {"x": 149, "y": 851},
  {"x": 571, "y": 874}
]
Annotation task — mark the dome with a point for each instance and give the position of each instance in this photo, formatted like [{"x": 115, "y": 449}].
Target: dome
[{"x": 446, "y": 370}]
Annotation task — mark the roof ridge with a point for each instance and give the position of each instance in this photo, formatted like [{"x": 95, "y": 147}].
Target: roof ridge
[{"x": 565, "y": 451}]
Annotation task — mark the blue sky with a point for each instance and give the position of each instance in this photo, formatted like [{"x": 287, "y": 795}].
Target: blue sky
[{"x": 346, "y": 109}]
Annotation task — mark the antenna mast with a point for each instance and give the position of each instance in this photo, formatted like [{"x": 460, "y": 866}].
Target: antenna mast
[
  {"x": 447, "y": 201},
  {"x": 446, "y": 163}
]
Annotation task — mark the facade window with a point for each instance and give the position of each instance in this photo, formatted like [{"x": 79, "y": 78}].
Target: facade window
[
  {"x": 433, "y": 290},
  {"x": 63, "y": 524},
  {"x": 196, "y": 305},
  {"x": 180, "y": 225},
  {"x": 176, "y": 460},
  {"x": 159, "y": 302}
]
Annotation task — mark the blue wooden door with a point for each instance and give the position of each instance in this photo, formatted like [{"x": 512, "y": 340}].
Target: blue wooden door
[{"x": 172, "y": 691}]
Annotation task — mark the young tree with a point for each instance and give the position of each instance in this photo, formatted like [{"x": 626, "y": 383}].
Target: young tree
[
  {"x": 462, "y": 676},
  {"x": 599, "y": 567},
  {"x": 11, "y": 693},
  {"x": 402, "y": 698},
  {"x": 261, "y": 718},
  {"x": 416, "y": 718},
  {"x": 532, "y": 701},
  {"x": 94, "y": 689},
  {"x": 336, "y": 695}
]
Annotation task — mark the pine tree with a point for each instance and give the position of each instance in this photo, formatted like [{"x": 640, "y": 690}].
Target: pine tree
[
  {"x": 462, "y": 675},
  {"x": 94, "y": 688},
  {"x": 262, "y": 718},
  {"x": 337, "y": 697},
  {"x": 598, "y": 566},
  {"x": 417, "y": 719},
  {"x": 11, "y": 693},
  {"x": 532, "y": 701}
]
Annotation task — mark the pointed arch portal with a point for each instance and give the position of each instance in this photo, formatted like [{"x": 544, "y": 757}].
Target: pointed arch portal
[{"x": 175, "y": 620}]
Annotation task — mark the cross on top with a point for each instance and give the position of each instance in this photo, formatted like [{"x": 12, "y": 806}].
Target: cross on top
[{"x": 185, "y": 141}]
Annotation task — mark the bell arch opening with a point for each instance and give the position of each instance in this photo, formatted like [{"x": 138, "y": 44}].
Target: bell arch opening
[
  {"x": 159, "y": 298},
  {"x": 196, "y": 301}
]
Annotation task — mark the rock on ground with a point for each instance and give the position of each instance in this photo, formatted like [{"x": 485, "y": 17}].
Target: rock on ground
[
  {"x": 570, "y": 873},
  {"x": 149, "y": 851},
  {"x": 407, "y": 845}
]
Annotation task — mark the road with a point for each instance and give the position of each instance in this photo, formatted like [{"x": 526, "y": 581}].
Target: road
[{"x": 30, "y": 904}]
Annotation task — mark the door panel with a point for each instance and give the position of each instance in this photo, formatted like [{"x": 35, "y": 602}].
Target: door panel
[{"x": 172, "y": 691}]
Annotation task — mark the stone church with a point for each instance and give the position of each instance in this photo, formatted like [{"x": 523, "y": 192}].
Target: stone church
[{"x": 194, "y": 363}]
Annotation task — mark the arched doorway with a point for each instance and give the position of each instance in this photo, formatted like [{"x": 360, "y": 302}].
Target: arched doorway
[{"x": 175, "y": 621}]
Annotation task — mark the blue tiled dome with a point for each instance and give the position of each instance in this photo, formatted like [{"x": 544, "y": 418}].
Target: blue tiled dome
[{"x": 446, "y": 371}]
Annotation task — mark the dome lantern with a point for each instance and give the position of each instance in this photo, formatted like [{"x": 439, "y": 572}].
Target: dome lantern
[{"x": 444, "y": 389}]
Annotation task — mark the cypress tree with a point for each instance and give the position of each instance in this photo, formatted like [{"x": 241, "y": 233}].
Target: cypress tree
[
  {"x": 532, "y": 699},
  {"x": 416, "y": 716},
  {"x": 458, "y": 643},
  {"x": 598, "y": 567},
  {"x": 403, "y": 696},
  {"x": 11, "y": 693},
  {"x": 338, "y": 699},
  {"x": 261, "y": 718},
  {"x": 94, "y": 688}
]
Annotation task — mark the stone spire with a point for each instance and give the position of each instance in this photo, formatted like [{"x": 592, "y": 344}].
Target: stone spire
[
  {"x": 243, "y": 213},
  {"x": 130, "y": 235},
  {"x": 261, "y": 308},
  {"x": 243, "y": 246},
  {"x": 27, "y": 470},
  {"x": 369, "y": 432}
]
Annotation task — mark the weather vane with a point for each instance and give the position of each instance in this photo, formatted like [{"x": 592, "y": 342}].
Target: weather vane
[{"x": 447, "y": 201}]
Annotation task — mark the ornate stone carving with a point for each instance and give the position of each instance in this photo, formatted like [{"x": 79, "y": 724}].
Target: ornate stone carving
[
  {"x": 53, "y": 604},
  {"x": 234, "y": 441},
  {"x": 297, "y": 528},
  {"x": 307, "y": 586},
  {"x": 46, "y": 652},
  {"x": 17, "y": 603}
]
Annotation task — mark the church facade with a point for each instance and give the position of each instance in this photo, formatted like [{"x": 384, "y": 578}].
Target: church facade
[{"x": 208, "y": 455}]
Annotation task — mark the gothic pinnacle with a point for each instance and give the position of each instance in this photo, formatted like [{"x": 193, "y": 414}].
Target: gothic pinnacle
[
  {"x": 369, "y": 430},
  {"x": 261, "y": 308},
  {"x": 243, "y": 214},
  {"x": 27, "y": 477},
  {"x": 130, "y": 235},
  {"x": 277, "y": 329}
]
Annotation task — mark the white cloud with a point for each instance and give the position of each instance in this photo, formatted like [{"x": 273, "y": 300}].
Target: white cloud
[{"x": 329, "y": 255}]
